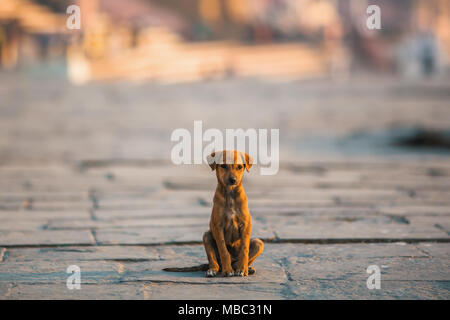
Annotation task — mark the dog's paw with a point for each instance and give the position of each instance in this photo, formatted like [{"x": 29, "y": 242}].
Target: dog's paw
[
  {"x": 211, "y": 273},
  {"x": 241, "y": 273},
  {"x": 251, "y": 271},
  {"x": 227, "y": 273}
]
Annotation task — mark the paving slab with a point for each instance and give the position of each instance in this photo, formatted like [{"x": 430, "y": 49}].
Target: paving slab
[
  {"x": 86, "y": 253},
  {"x": 46, "y": 237},
  {"x": 404, "y": 269},
  {"x": 408, "y": 210},
  {"x": 369, "y": 227},
  {"x": 59, "y": 291},
  {"x": 268, "y": 270},
  {"x": 346, "y": 251},
  {"x": 153, "y": 212},
  {"x": 128, "y": 223},
  {"x": 247, "y": 291},
  {"x": 440, "y": 250},
  {"x": 21, "y": 225},
  {"x": 43, "y": 215},
  {"x": 55, "y": 271},
  {"x": 357, "y": 290},
  {"x": 150, "y": 235}
]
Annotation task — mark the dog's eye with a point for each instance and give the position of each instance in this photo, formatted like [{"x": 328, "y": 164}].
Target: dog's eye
[
  {"x": 239, "y": 167},
  {"x": 223, "y": 166}
]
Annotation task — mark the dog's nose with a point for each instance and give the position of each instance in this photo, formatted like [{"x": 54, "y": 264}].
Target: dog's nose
[{"x": 232, "y": 180}]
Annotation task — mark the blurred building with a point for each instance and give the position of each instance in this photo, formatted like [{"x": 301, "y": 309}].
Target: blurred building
[
  {"x": 28, "y": 31},
  {"x": 412, "y": 32},
  {"x": 186, "y": 41},
  {"x": 171, "y": 40}
]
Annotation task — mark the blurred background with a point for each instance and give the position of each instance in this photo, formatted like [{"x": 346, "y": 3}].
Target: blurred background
[
  {"x": 86, "y": 118},
  {"x": 203, "y": 39},
  {"x": 138, "y": 69}
]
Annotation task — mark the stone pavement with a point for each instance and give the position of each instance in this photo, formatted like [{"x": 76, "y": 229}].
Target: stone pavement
[
  {"x": 93, "y": 193},
  {"x": 122, "y": 225}
]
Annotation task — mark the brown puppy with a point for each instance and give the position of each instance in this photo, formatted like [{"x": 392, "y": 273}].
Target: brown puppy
[{"x": 228, "y": 244}]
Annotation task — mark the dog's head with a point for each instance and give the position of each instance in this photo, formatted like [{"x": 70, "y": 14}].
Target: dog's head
[{"x": 229, "y": 166}]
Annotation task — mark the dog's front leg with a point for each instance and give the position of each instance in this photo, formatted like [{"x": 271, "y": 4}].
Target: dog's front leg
[
  {"x": 242, "y": 263},
  {"x": 225, "y": 259}
]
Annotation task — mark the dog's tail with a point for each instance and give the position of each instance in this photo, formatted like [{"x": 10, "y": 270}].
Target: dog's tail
[{"x": 201, "y": 267}]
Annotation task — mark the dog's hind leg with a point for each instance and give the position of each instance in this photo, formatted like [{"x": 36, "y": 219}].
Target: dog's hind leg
[
  {"x": 212, "y": 254},
  {"x": 255, "y": 249}
]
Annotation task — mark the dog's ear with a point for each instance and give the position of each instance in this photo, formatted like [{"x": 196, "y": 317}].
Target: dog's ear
[
  {"x": 212, "y": 160},
  {"x": 248, "y": 162}
]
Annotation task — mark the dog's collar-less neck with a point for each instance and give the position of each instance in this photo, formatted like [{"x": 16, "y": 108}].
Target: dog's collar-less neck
[
  {"x": 230, "y": 195},
  {"x": 232, "y": 191}
]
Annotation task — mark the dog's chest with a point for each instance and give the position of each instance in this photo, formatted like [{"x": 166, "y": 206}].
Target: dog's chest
[{"x": 233, "y": 226}]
